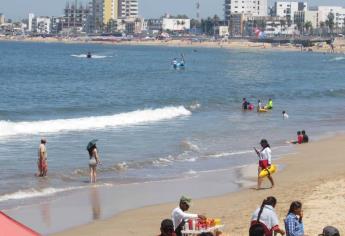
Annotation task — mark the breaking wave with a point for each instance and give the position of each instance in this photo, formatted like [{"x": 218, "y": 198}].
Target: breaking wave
[{"x": 8, "y": 128}]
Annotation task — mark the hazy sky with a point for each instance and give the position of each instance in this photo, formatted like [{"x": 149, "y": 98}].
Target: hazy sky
[{"x": 17, "y": 9}]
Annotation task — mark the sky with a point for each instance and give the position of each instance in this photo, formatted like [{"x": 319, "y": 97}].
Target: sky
[{"x": 19, "y": 9}]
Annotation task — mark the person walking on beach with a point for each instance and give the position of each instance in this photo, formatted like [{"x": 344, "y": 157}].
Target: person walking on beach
[
  {"x": 267, "y": 217},
  {"x": 94, "y": 161},
  {"x": 293, "y": 221},
  {"x": 264, "y": 161},
  {"x": 179, "y": 216},
  {"x": 42, "y": 159}
]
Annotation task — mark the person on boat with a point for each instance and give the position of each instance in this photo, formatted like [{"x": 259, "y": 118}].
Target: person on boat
[
  {"x": 174, "y": 63},
  {"x": 89, "y": 55},
  {"x": 269, "y": 105},
  {"x": 259, "y": 107},
  {"x": 265, "y": 161}
]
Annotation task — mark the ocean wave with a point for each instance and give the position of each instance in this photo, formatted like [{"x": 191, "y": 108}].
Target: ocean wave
[
  {"x": 33, "y": 193},
  {"x": 188, "y": 145},
  {"x": 8, "y": 128},
  {"x": 337, "y": 59},
  {"x": 93, "y": 56}
]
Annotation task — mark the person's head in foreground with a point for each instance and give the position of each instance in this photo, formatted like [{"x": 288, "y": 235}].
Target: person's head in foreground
[
  {"x": 299, "y": 133},
  {"x": 303, "y": 132},
  {"x": 264, "y": 143},
  {"x": 330, "y": 231},
  {"x": 185, "y": 203},
  {"x": 167, "y": 228},
  {"x": 43, "y": 140},
  {"x": 257, "y": 230},
  {"x": 295, "y": 208}
]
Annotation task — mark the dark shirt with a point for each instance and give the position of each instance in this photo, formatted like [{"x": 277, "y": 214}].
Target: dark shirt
[{"x": 305, "y": 138}]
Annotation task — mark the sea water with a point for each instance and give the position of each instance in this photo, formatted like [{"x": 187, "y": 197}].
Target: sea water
[{"x": 152, "y": 122}]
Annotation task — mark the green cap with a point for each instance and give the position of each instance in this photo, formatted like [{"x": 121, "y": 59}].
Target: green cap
[{"x": 186, "y": 200}]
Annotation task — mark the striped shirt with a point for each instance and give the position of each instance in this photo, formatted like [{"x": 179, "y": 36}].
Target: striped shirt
[{"x": 292, "y": 225}]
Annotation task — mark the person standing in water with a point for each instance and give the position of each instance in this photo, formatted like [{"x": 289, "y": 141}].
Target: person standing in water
[
  {"x": 42, "y": 159},
  {"x": 269, "y": 105},
  {"x": 93, "y": 162},
  {"x": 264, "y": 161}
]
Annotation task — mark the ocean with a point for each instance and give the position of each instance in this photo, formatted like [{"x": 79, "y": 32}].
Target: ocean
[{"x": 152, "y": 122}]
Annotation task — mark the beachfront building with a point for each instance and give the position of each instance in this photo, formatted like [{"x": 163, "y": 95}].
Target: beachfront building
[
  {"x": 41, "y": 25},
  {"x": 153, "y": 26},
  {"x": 338, "y": 12},
  {"x": 128, "y": 9},
  {"x": 302, "y": 17},
  {"x": 175, "y": 25},
  {"x": 246, "y": 7},
  {"x": 95, "y": 20},
  {"x": 75, "y": 18},
  {"x": 2, "y": 19},
  {"x": 56, "y": 25},
  {"x": 287, "y": 9}
]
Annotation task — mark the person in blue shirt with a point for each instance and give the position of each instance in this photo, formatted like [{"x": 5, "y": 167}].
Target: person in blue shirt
[{"x": 293, "y": 221}]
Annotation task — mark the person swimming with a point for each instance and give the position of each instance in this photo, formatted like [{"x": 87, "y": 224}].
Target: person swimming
[
  {"x": 89, "y": 55},
  {"x": 174, "y": 63}
]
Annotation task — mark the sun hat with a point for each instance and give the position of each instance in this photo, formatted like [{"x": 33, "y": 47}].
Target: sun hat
[
  {"x": 186, "y": 200},
  {"x": 330, "y": 231}
]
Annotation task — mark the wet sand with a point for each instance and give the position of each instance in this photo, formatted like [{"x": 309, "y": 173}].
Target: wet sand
[{"x": 315, "y": 176}]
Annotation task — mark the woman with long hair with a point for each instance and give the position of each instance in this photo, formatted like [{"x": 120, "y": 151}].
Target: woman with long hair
[
  {"x": 93, "y": 162},
  {"x": 293, "y": 221},
  {"x": 266, "y": 218},
  {"x": 265, "y": 161}
]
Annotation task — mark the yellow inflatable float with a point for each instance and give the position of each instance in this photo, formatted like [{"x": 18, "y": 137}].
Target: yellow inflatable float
[
  {"x": 262, "y": 110},
  {"x": 270, "y": 170}
]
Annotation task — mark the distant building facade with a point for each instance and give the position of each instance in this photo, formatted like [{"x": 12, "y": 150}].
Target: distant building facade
[
  {"x": 41, "y": 25},
  {"x": 246, "y": 7},
  {"x": 175, "y": 24},
  {"x": 288, "y": 9},
  {"x": 75, "y": 18},
  {"x": 2, "y": 19},
  {"x": 128, "y": 9}
]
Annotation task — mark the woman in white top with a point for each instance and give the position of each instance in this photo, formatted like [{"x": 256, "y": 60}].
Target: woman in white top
[
  {"x": 93, "y": 162},
  {"x": 264, "y": 161}
]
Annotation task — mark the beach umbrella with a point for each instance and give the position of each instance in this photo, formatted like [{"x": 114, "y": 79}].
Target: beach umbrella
[
  {"x": 91, "y": 144},
  {"x": 11, "y": 227}
]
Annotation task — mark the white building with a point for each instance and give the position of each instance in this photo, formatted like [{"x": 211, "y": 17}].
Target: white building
[
  {"x": 41, "y": 25},
  {"x": 128, "y": 9},
  {"x": 339, "y": 15},
  {"x": 246, "y": 7},
  {"x": 31, "y": 17},
  {"x": 288, "y": 9},
  {"x": 176, "y": 24}
]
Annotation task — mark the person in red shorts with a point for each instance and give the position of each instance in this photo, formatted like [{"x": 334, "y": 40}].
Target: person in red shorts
[
  {"x": 42, "y": 159},
  {"x": 264, "y": 161}
]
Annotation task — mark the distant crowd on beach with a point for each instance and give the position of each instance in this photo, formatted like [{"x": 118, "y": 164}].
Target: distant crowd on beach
[{"x": 264, "y": 221}]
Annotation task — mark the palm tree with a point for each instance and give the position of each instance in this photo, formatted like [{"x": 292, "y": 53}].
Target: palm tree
[
  {"x": 330, "y": 22},
  {"x": 308, "y": 26}
]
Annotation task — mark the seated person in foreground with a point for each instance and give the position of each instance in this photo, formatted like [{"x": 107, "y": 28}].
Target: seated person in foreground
[
  {"x": 267, "y": 217},
  {"x": 179, "y": 216},
  {"x": 167, "y": 228}
]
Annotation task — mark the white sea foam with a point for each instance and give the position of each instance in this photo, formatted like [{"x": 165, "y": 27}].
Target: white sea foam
[
  {"x": 338, "y": 59},
  {"x": 8, "y": 128},
  {"x": 32, "y": 193}
]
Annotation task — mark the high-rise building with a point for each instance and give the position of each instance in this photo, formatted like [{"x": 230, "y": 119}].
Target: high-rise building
[
  {"x": 246, "y": 7},
  {"x": 288, "y": 9},
  {"x": 31, "y": 17},
  {"x": 2, "y": 19},
  {"x": 128, "y": 8},
  {"x": 110, "y": 10},
  {"x": 96, "y": 19},
  {"x": 75, "y": 17}
]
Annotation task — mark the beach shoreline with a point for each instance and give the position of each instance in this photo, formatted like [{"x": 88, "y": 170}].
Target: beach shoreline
[
  {"x": 318, "y": 185},
  {"x": 339, "y": 45}
]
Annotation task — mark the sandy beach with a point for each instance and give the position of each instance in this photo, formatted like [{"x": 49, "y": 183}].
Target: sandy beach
[
  {"x": 314, "y": 175},
  {"x": 339, "y": 44}
]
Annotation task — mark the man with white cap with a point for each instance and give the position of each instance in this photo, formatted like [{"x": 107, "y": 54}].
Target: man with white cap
[
  {"x": 179, "y": 216},
  {"x": 42, "y": 158}
]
